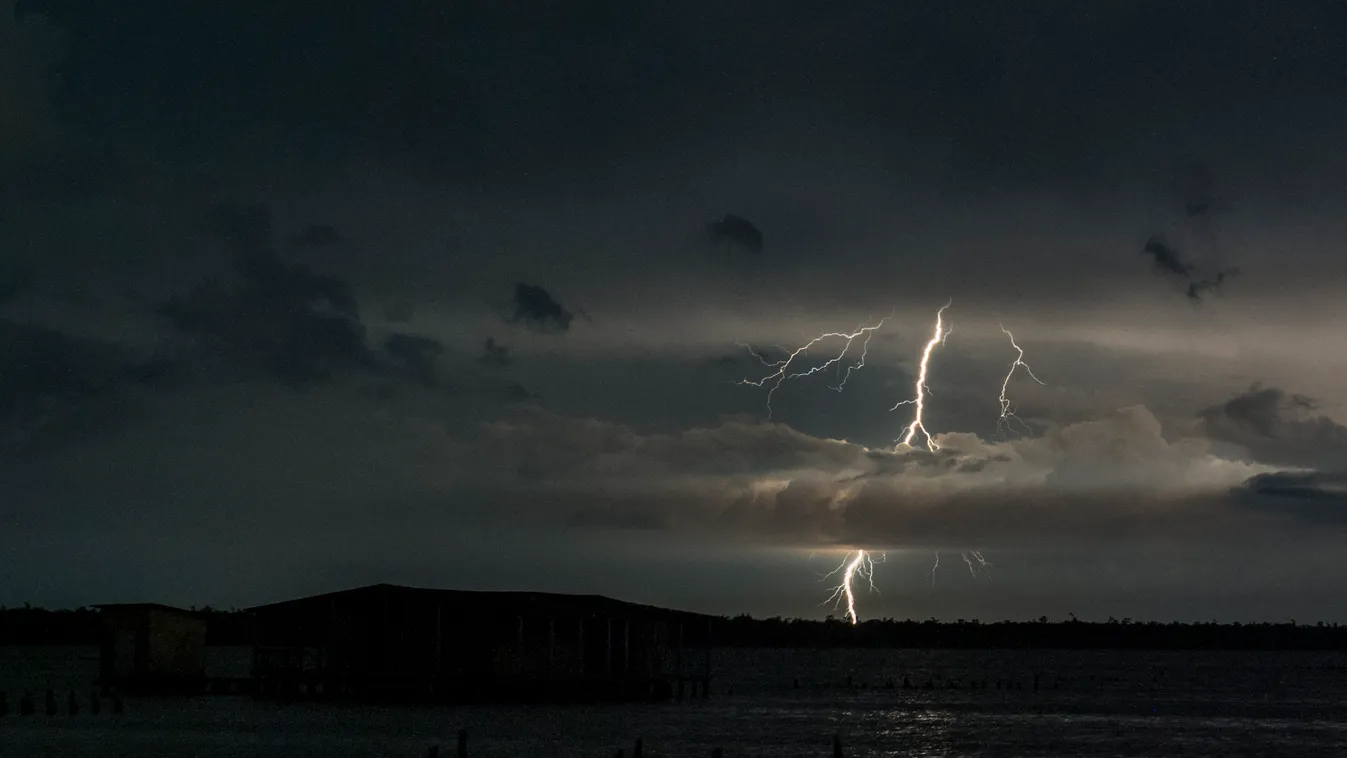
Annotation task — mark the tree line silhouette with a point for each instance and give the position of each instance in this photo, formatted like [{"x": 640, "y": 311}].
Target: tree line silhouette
[
  {"x": 746, "y": 631},
  {"x": 80, "y": 626}
]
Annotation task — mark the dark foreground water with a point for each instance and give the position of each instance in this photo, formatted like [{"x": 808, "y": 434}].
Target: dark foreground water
[{"x": 1089, "y": 704}]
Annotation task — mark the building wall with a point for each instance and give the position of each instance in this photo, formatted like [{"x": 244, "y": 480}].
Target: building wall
[
  {"x": 375, "y": 637},
  {"x": 176, "y": 644},
  {"x": 144, "y": 642}
]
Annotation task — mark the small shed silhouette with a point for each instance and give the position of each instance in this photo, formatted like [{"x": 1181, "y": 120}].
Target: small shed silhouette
[{"x": 147, "y": 647}]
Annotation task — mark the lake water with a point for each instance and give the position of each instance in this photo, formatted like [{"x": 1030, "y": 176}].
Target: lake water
[{"x": 1094, "y": 703}]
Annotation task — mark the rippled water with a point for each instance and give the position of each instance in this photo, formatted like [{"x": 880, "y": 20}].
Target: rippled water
[{"x": 1088, "y": 704}]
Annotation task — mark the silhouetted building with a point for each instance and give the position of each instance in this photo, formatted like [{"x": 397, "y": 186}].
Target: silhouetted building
[
  {"x": 146, "y": 647},
  {"x": 390, "y": 642}
]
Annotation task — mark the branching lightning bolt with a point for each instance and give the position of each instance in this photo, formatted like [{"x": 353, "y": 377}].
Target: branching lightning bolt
[
  {"x": 783, "y": 367},
  {"x": 921, "y": 390},
  {"x": 975, "y": 562},
  {"x": 1007, "y": 407},
  {"x": 861, "y": 564}
]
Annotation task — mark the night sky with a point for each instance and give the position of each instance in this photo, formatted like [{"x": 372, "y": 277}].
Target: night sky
[{"x": 459, "y": 295}]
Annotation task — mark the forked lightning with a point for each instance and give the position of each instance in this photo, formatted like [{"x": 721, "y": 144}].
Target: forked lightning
[
  {"x": 782, "y": 367},
  {"x": 921, "y": 390},
  {"x": 861, "y": 564},
  {"x": 1007, "y": 407}
]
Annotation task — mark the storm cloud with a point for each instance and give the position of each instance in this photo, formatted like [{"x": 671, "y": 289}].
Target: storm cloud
[
  {"x": 1170, "y": 262},
  {"x": 1278, "y": 427},
  {"x": 304, "y": 206},
  {"x": 736, "y": 231},
  {"x": 536, "y": 308}
]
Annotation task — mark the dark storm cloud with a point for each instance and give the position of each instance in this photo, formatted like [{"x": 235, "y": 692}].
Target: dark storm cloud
[
  {"x": 15, "y": 279},
  {"x": 400, "y": 312},
  {"x": 734, "y": 230},
  {"x": 516, "y": 393},
  {"x": 285, "y": 319},
  {"x": 890, "y": 148},
  {"x": 56, "y": 386},
  {"x": 997, "y": 90},
  {"x": 495, "y": 354},
  {"x": 297, "y": 325},
  {"x": 1317, "y": 497},
  {"x": 316, "y": 235},
  {"x": 1199, "y": 192},
  {"x": 1278, "y": 428},
  {"x": 1170, "y": 262},
  {"x": 415, "y": 355},
  {"x": 1167, "y": 259},
  {"x": 536, "y": 308},
  {"x": 244, "y": 225},
  {"x": 61, "y": 175}
]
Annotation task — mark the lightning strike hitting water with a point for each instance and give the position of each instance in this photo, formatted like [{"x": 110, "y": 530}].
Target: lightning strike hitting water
[
  {"x": 937, "y": 338},
  {"x": 1007, "y": 407},
  {"x": 861, "y": 564},
  {"x": 783, "y": 367}
]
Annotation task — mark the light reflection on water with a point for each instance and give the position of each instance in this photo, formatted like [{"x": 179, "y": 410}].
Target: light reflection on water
[{"x": 1104, "y": 704}]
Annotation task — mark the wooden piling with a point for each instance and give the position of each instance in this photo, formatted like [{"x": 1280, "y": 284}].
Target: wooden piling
[
  {"x": 638, "y": 748},
  {"x": 837, "y": 747},
  {"x": 717, "y": 753},
  {"x": 433, "y": 751},
  {"x": 462, "y": 743}
]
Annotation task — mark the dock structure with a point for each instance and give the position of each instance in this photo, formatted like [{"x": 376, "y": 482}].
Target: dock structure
[{"x": 387, "y": 642}]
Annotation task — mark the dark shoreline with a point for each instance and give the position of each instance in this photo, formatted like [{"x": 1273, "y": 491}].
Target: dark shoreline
[{"x": 36, "y": 626}]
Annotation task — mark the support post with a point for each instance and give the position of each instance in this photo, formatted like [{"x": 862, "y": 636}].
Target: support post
[
  {"x": 608, "y": 648},
  {"x": 551, "y": 647},
  {"x": 626, "y": 647}
]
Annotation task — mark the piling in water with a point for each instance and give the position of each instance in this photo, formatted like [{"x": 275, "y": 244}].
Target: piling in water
[
  {"x": 462, "y": 743},
  {"x": 637, "y": 750},
  {"x": 433, "y": 751},
  {"x": 837, "y": 747},
  {"x": 717, "y": 753}
]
